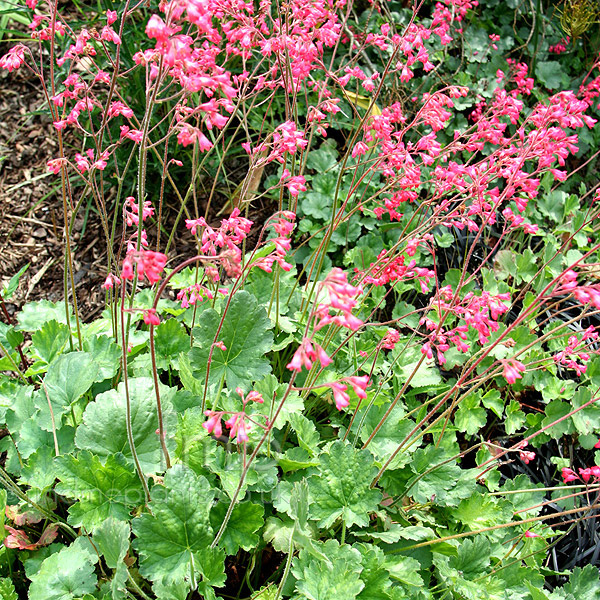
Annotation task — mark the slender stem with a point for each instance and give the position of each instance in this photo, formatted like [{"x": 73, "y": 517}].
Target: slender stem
[
  {"x": 161, "y": 427},
  {"x": 138, "y": 467}
]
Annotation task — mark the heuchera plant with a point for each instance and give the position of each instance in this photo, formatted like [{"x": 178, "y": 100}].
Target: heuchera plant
[{"x": 348, "y": 399}]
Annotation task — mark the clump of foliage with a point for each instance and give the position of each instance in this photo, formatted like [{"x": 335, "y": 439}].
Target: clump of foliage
[{"x": 352, "y": 398}]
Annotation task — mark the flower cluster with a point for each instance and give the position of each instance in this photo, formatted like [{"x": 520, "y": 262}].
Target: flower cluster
[
  {"x": 574, "y": 356},
  {"x": 223, "y": 242},
  {"x": 476, "y": 312},
  {"x": 283, "y": 224},
  {"x": 391, "y": 269},
  {"x": 149, "y": 264},
  {"x": 238, "y": 423},
  {"x": 591, "y": 474}
]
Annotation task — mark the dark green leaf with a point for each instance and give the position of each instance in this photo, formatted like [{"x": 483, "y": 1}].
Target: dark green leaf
[{"x": 247, "y": 337}]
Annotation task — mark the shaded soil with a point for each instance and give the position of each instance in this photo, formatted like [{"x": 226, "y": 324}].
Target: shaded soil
[{"x": 31, "y": 210}]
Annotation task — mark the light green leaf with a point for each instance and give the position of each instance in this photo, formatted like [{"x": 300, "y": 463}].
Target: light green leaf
[
  {"x": 523, "y": 500},
  {"x": 374, "y": 575},
  {"x": 339, "y": 578},
  {"x": 470, "y": 416},
  {"x": 170, "y": 339},
  {"x": 295, "y": 459},
  {"x": 174, "y": 541},
  {"x": 106, "y": 355},
  {"x": 342, "y": 486},
  {"x": 584, "y": 583},
  {"x": 11, "y": 287},
  {"x": 49, "y": 341},
  {"x": 551, "y": 74},
  {"x": 195, "y": 446},
  {"x": 68, "y": 378},
  {"x": 479, "y": 511},
  {"x": 272, "y": 392},
  {"x": 104, "y": 429},
  {"x": 307, "y": 434},
  {"x": 262, "y": 475},
  {"x": 112, "y": 541},
  {"x": 445, "y": 484},
  {"x": 39, "y": 471},
  {"x": 104, "y": 491},
  {"x": 3, "y": 497},
  {"x": 515, "y": 418},
  {"x": 246, "y": 519},
  {"x": 247, "y": 337},
  {"x": 65, "y": 575},
  {"x": 35, "y": 314},
  {"x": 7, "y": 589},
  {"x": 405, "y": 569}
]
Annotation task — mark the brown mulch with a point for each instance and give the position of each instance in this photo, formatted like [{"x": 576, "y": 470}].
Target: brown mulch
[
  {"x": 31, "y": 211},
  {"x": 31, "y": 215}
]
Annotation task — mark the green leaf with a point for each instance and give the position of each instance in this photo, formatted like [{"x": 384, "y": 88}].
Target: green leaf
[
  {"x": 171, "y": 591},
  {"x": 405, "y": 569},
  {"x": 470, "y": 416},
  {"x": 68, "y": 378},
  {"x": 523, "y": 500},
  {"x": 305, "y": 429},
  {"x": 247, "y": 337},
  {"x": 195, "y": 447},
  {"x": 39, "y": 471},
  {"x": 342, "y": 486},
  {"x": 11, "y": 287},
  {"x": 35, "y": 314},
  {"x": 515, "y": 418},
  {"x": 551, "y": 74},
  {"x": 323, "y": 159},
  {"x": 332, "y": 580},
  {"x": 479, "y": 511},
  {"x": 106, "y": 355},
  {"x": 557, "y": 409},
  {"x": 112, "y": 541},
  {"x": 104, "y": 491},
  {"x": 3, "y": 497},
  {"x": 104, "y": 429},
  {"x": 49, "y": 341},
  {"x": 174, "y": 541},
  {"x": 493, "y": 401},
  {"x": 584, "y": 583},
  {"x": 7, "y": 590},
  {"x": 445, "y": 484},
  {"x": 246, "y": 519},
  {"x": 374, "y": 573},
  {"x": 262, "y": 475},
  {"x": 170, "y": 339},
  {"x": 272, "y": 392},
  {"x": 65, "y": 575},
  {"x": 586, "y": 420},
  {"x": 295, "y": 459}
]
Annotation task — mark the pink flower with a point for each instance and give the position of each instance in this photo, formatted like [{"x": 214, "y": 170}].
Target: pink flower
[
  {"x": 149, "y": 264},
  {"x": 530, "y": 534},
  {"x": 150, "y": 317},
  {"x": 238, "y": 427},
  {"x": 111, "y": 16},
  {"x": 339, "y": 395},
  {"x": 14, "y": 59},
  {"x": 110, "y": 281},
  {"x": 568, "y": 475},
  {"x": 359, "y": 149},
  {"x": 213, "y": 425},
  {"x": 513, "y": 369}
]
